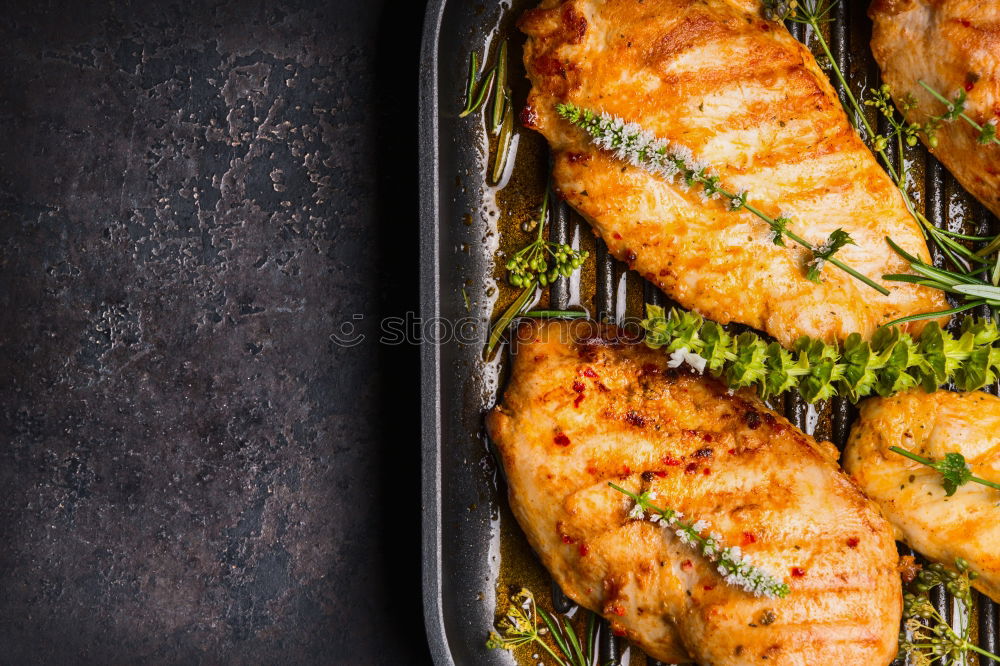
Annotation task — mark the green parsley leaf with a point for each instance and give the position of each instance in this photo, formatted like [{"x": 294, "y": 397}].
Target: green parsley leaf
[{"x": 954, "y": 472}]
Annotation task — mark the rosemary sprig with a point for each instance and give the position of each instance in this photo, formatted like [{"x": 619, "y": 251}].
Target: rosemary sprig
[
  {"x": 520, "y": 627},
  {"x": 927, "y": 637},
  {"x": 556, "y": 314},
  {"x": 891, "y": 362},
  {"x": 473, "y": 99},
  {"x": 501, "y": 116},
  {"x": 956, "y": 109},
  {"x": 630, "y": 143},
  {"x": 964, "y": 286},
  {"x": 735, "y": 568},
  {"x": 953, "y": 469}
]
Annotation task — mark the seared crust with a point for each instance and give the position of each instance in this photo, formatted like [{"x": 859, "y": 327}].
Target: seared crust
[
  {"x": 583, "y": 409},
  {"x": 745, "y": 96},
  {"x": 942, "y": 528},
  {"x": 951, "y": 45}
]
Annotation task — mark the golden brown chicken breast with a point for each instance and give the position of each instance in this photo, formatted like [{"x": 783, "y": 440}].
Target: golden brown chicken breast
[
  {"x": 583, "y": 409},
  {"x": 745, "y": 97},
  {"x": 952, "y": 45},
  {"x": 965, "y": 525}
]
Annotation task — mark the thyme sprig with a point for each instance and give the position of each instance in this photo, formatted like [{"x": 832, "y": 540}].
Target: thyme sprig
[
  {"x": 953, "y": 469},
  {"x": 891, "y": 362},
  {"x": 733, "y": 565},
  {"x": 632, "y": 144},
  {"x": 927, "y": 638},
  {"x": 520, "y": 627},
  {"x": 955, "y": 109},
  {"x": 816, "y": 12}
]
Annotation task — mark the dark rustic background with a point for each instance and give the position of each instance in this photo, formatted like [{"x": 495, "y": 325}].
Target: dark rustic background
[{"x": 193, "y": 197}]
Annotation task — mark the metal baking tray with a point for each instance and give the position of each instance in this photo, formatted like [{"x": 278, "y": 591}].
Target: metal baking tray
[{"x": 473, "y": 550}]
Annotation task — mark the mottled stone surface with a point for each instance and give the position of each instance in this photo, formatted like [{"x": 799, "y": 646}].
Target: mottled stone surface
[{"x": 192, "y": 470}]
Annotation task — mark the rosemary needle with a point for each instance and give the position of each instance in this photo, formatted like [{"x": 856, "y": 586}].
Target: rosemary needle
[
  {"x": 481, "y": 96},
  {"x": 508, "y": 316},
  {"x": 501, "y": 99},
  {"x": 503, "y": 143}
]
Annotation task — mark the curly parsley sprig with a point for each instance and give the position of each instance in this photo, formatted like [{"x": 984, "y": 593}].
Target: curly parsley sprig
[
  {"x": 927, "y": 637},
  {"x": 891, "y": 362},
  {"x": 953, "y": 469},
  {"x": 631, "y": 143},
  {"x": 735, "y": 568}
]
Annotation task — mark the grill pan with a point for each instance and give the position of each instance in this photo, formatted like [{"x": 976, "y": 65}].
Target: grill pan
[{"x": 473, "y": 550}]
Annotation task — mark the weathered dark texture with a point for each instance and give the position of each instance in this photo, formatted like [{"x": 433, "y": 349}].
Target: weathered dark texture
[{"x": 191, "y": 467}]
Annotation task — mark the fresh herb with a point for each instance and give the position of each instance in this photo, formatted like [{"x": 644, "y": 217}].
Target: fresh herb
[
  {"x": 967, "y": 287},
  {"x": 473, "y": 99},
  {"x": 543, "y": 261},
  {"x": 816, "y": 12},
  {"x": 556, "y": 314},
  {"x": 955, "y": 108},
  {"x": 465, "y": 297},
  {"x": 520, "y": 627},
  {"x": 928, "y": 638},
  {"x": 891, "y": 362},
  {"x": 502, "y": 110},
  {"x": 822, "y": 253},
  {"x": 953, "y": 469},
  {"x": 735, "y": 568},
  {"x": 630, "y": 143},
  {"x": 537, "y": 264}
]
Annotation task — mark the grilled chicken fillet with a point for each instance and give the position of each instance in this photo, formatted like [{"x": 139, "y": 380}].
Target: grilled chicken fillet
[
  {"x": 745, "y": 97},
  {"x": 952, "y": 45},
  {"x": 965, "y": 525},
  {"x": 582, "y": 409}
]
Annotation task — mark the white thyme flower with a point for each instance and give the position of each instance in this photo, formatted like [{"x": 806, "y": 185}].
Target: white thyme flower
[
  {"x": 636, "y": 512},
  {"x": 700, "y": 526},
  {"x": 683, "y": 535}
]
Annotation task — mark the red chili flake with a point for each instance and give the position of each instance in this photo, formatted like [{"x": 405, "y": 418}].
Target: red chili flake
[
  {"x": 617, "y": 236},
  {"x": 852, "y": 542},
  {"x": 686, "y": 565},
  {"x": 618, "y": 610},
  {"x": 798, "y": 572},
  {"x": 626, "y": 470},
  {"x": 660, "y": 474},
  {"x": 706, "y": 436},
  {"x": 670, "y": 460},
  {"x": 567, "y": 539},
  {"x": 602, "y": 387},
  {"x": 635, "y": 418},
  {"x": 529, "y": 117},
  {"x": 561, "y": 439},
  {"x": 732, "y": 452},
  {"x": 969, "y": 85},
  {"x": 539, "y": 358},
  {"x": 578, "y": 386},
  {"x": 589, "y": 372},
  {"x": 617, "y": 631},
  {"x": 691, "y": 468},
  {"x": 578, "y": 400},
  {"x": 706, "y": 471},
  {"x": 584, "y": 549},
  {"x": 748, "y": 538},
  {"x": 709, "y": 588}
]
